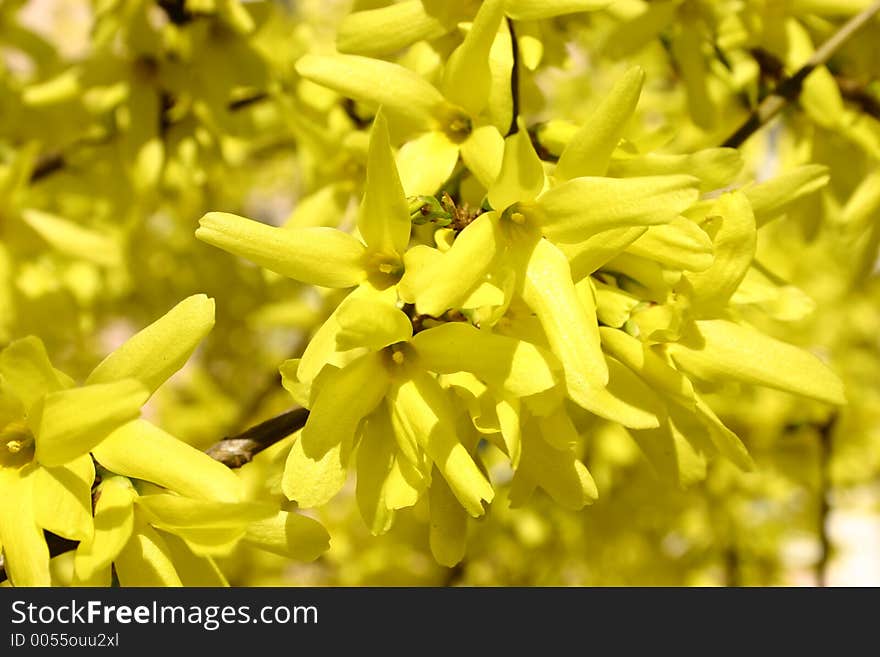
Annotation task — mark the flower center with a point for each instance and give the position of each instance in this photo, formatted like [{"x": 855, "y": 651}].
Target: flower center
[
  {"x": 16, "y": 443},
  {"x": 457, "y": 126}
]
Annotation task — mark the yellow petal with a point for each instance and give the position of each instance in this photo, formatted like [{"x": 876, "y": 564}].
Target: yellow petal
[
  {"x": 69, "y": 423},
  {"x": 114, "y": 523},
  {"x": 376, "y": 456},
  {"x": 508, "y": 411},
  {"x": 558, "y": 430},
  {"x": 725, "y": 441},
  {"x": 687, "y": 48},
  {"x": 522, "y": 175},
  {"x": 466, "y": 76},
  {"x": 715, "y": 167},
  {"x": 25, "y": 550},
  {"x": 639, "y": 357},
  {"x": 569, "y": 319},
  {"x": 625, "y": 400},
  {"x": 155, "y": 353},
  {"x": 290, "y": 535},
  {"x": 27, "y": 372},
  {"x": 383, "y": 220},
  {"x": 376, "y": 82},
  {"x": 425, "y": 163},
  {"x": 513, "y": 365},
  {"x": 680, "y": 244},
  {"x": 173, "y": 511},
  {"x": 311, "y": 482},
  {"x": 528, "y": 10},
  {"x": 773, "y": 198},
  {"x": 735, "y": 241},
  {"x": 723, "y": 350},
  {"x": 142, "y": 450},
  {"x": 319, "y": 256},
  {"x": 146, "y": 561},
  {"x": 193, "y": 569},
  {"x": 557, "y": 471},
  {"x": 589, "y": 151},
  {"x": 385, "y": 30},
  {"x": 588, "y": 256},
  {"x": 482, "y": 153},
  {"x": 370, "y": 323},
  {"x": 672, "y": 457},
  {"x": 74, "y": 240},
  {"x": 582, "y": 207},
  {"x": 446, "y": 282},
  {"x": 425, "y": 411},
  {"x": 345, "y": 398},
  {"x": 448, "y": 529},
  {"x": 63, "y": 501}
]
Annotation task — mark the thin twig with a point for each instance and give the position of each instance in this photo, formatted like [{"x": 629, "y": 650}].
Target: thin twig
[
  {"x": 514, "y": 79},
  {"x": 790, "y": 88},
  {"x": 235, "y": 451}
]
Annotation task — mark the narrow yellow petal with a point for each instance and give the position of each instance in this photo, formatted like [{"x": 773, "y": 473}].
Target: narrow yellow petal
[
  {"x": 383, "y": 220},
  {"x": 385, "y": 30},
  {"x": 425, "y": 411},
  {"x": 25, "y": 550},
  {"x": 146, "y": 561},
  {"x": 723, "y": 350},
  {"x": 63, "y": 501},
  {"x": 142, "y": 450},
  {"x": 27, "y": 372},
  {"x": 320, "y": 256},
  {"x": 448, "y": 528},
  {"x": 289, "y": 534},
  {"x": 680, "y": 244},
  {"x": 583, "y": 207},
  {"x": 625, "y": 400},
  {"x": 467, "y": 76},
  {"x": 346, "y": 396},
  {"x": 370, "y": 323},
  {"x": 529, "y": 10},
  {"x": 425, "y": 163},
  {"x": 516, "y": 366},
  {"x": 310, "y": 482},
  {"x": 376, "y": 456},
  {"x": 446, "y": 282},
  {"x": 557, "y": 471},
  {"x": 589, "y": 151},
  {"x": 69, "y": 423},
  {"x": 569, "y": 319},
  {"x": 375, "y": 81},
  {"x": 735, "y": 241},
  {"x": 114, "y": 523},
  {"x": 482, "y": 153},
  {"x": 522, "y": 175},
  {"x": 193, "y": 569},
  {"x": 639, "y": 357},
  {"x": 155, "y": 353}
]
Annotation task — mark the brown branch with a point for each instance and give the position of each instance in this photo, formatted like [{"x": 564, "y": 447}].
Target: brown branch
[
  {"x": 789, "y": 89},
  {"x": 235, "y": 451},
  {"x": 514, "y": 79}
]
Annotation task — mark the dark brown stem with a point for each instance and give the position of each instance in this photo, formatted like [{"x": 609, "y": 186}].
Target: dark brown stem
[
  {"x": 789, "y": 89},
  {"x": 235, "y": 451},
  {"x": 514, "y": 79}
]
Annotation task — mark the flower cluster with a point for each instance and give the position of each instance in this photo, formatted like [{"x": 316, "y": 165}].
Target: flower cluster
[{"x": 602, "y": 284}]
